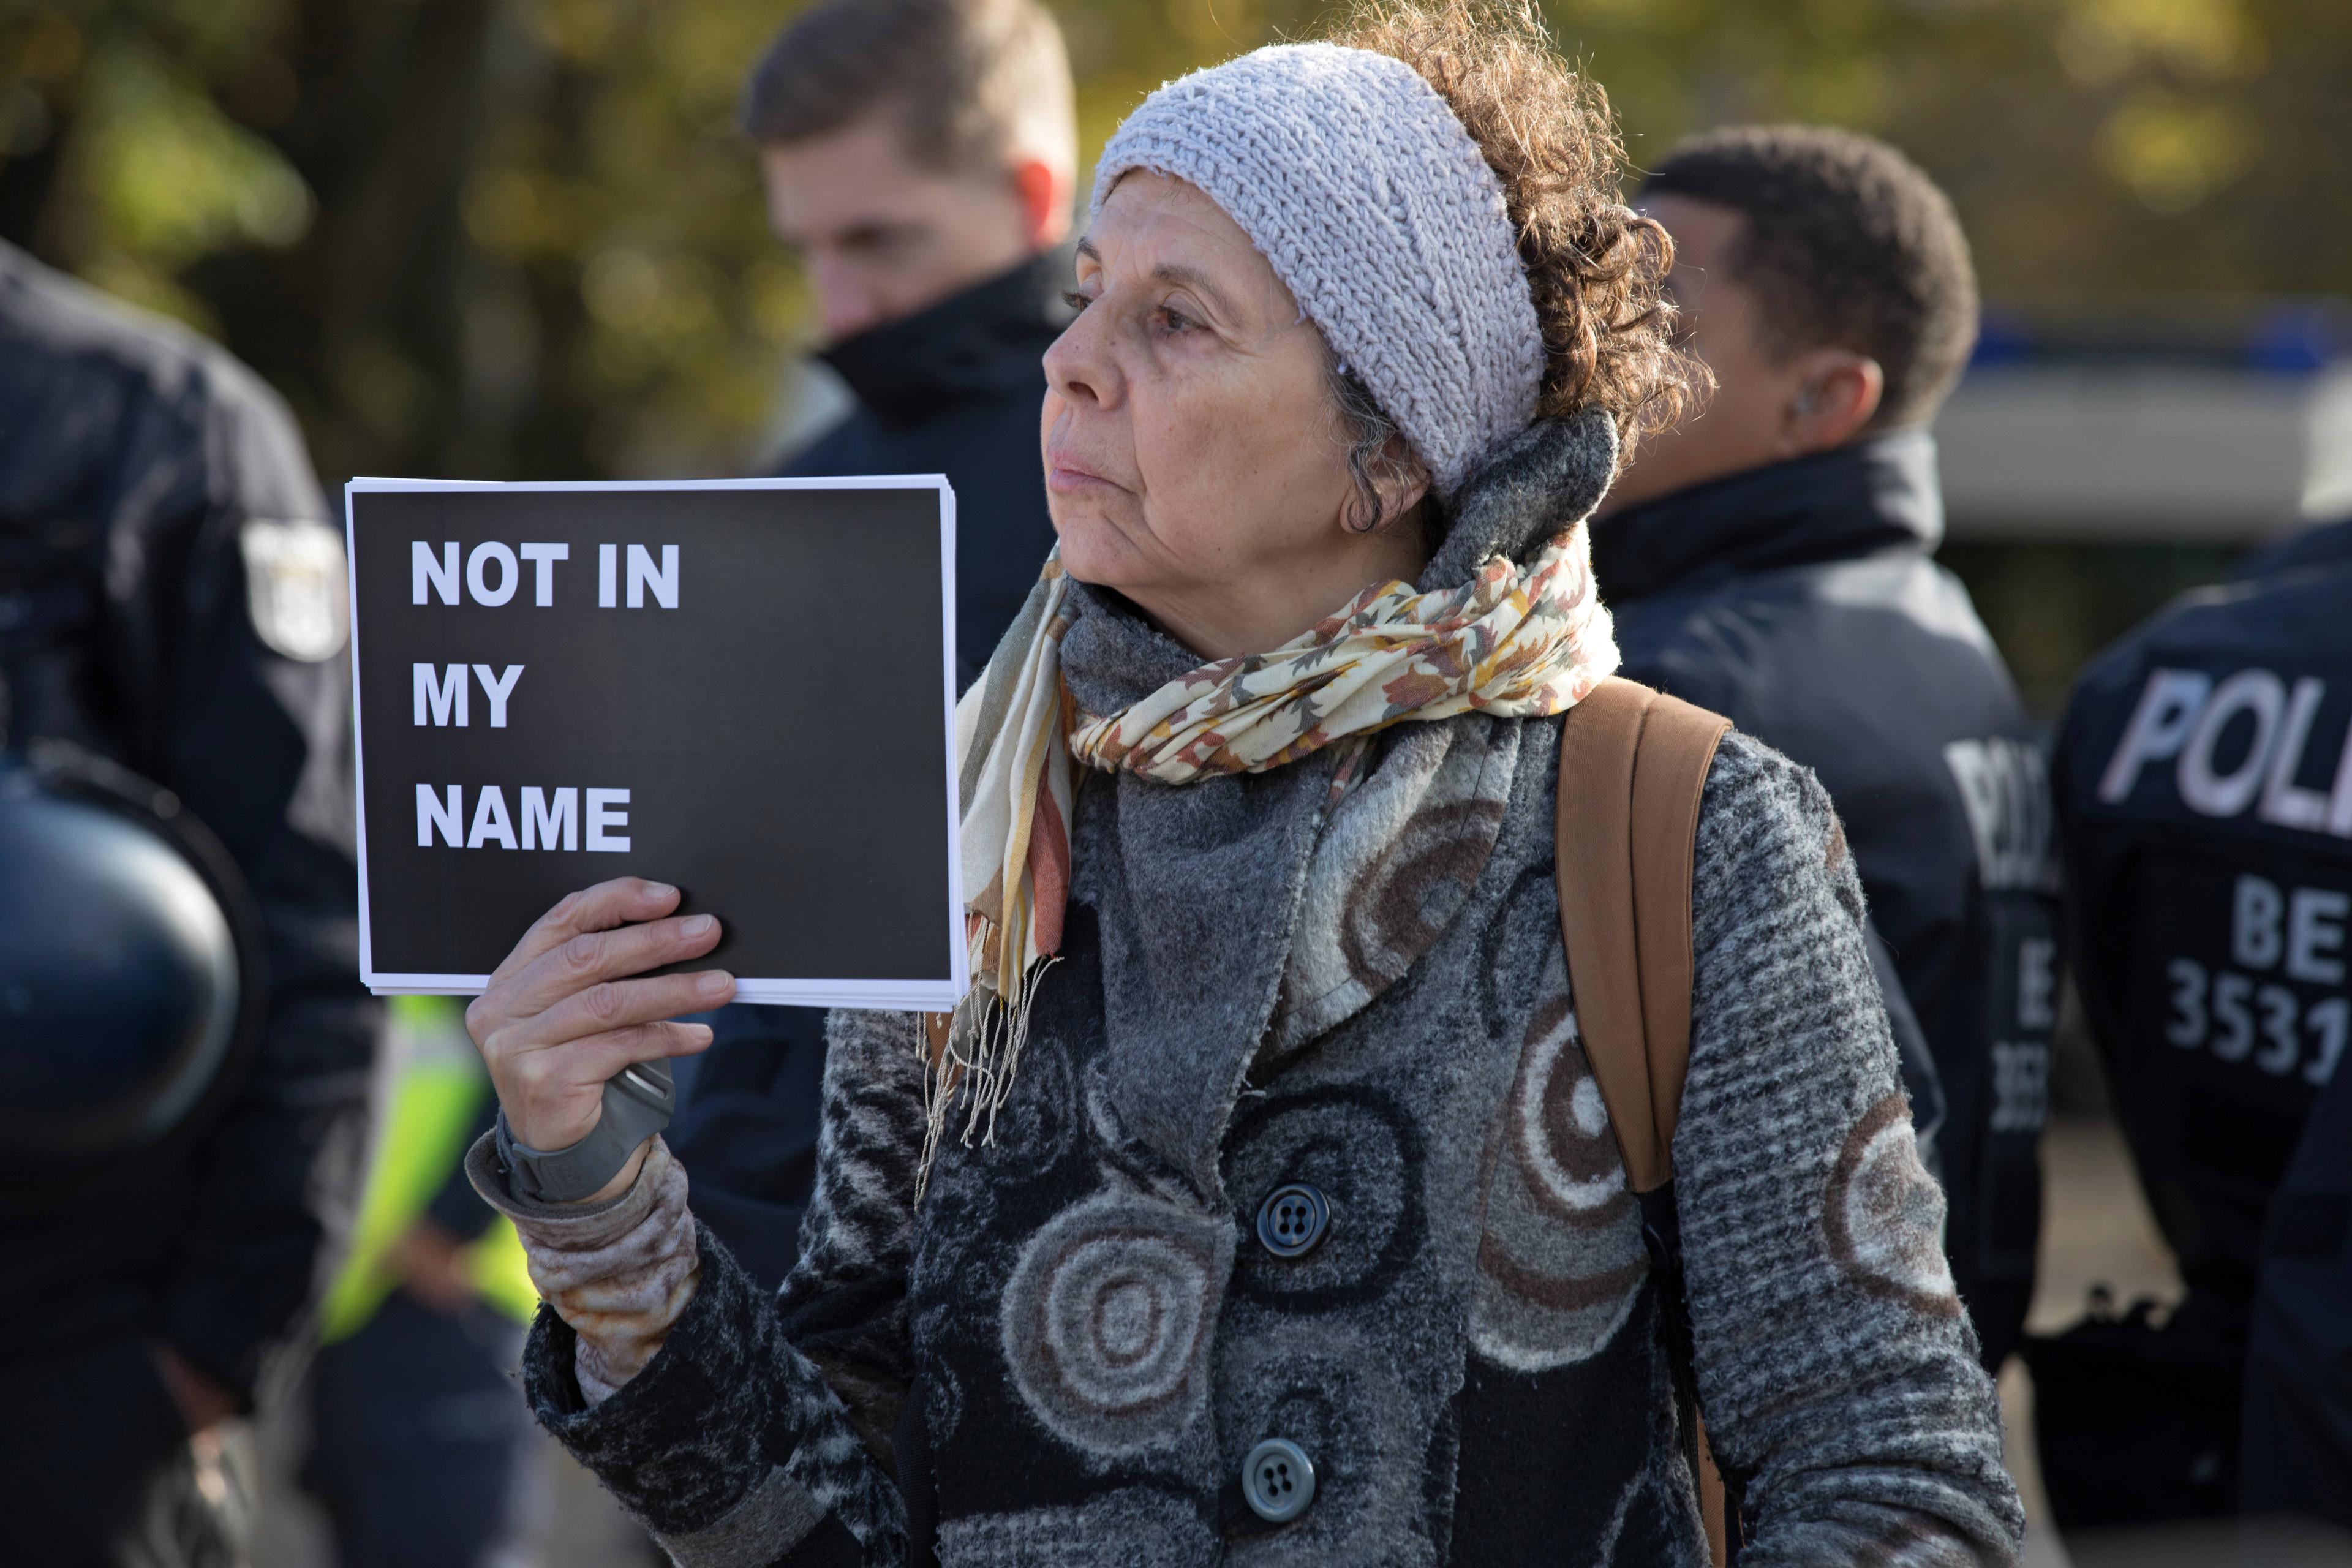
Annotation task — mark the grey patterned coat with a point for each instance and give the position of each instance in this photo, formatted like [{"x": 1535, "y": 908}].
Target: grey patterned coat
[{"x": 1270, "y": 980}]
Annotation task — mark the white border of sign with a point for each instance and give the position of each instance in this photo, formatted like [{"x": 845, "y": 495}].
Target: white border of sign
[{"x": 873, "y": 995}]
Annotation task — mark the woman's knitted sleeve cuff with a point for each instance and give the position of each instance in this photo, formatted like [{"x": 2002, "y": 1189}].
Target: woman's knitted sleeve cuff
[
  {"x": 728, "y": 1446},
  {"x": 619, "y": 1272}
]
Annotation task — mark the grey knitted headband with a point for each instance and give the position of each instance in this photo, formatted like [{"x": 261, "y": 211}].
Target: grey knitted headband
[{"x": 1376, "y": 210}]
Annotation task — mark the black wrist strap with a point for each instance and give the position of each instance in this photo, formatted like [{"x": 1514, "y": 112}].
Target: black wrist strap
[{"x": 638, "y": 1102}]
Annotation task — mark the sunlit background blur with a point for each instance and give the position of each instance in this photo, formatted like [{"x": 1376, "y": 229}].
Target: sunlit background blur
[{"x": 520, "y": 240}]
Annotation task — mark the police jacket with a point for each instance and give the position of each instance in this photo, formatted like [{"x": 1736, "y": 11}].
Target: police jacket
[
  {"x": 172, "y": 599},
  {"x": 2205, "y": 806},
  {"x": 954, "y": 389},
  {"x": 1801, "y": 601}
]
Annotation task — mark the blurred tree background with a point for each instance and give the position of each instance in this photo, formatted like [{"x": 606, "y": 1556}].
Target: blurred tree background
[{"x": 520, "y": 238}]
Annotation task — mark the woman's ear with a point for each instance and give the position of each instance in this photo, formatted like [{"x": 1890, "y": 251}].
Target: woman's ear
[{"x": 1399, "y": 479}]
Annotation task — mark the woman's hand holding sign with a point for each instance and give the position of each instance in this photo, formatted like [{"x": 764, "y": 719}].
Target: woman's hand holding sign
[{"x": 571, "y": 1006}]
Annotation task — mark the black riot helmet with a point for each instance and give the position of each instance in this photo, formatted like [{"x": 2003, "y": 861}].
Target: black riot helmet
[{"x": 130, "y": 965}]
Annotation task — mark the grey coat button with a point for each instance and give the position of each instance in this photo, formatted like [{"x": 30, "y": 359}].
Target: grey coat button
[
  {"x": 1292, "y": 1220},
  {"x": 1277, "y": 1480}
]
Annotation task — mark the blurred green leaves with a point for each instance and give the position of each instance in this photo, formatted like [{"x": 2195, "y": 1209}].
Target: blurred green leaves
[
  {"x": 494, "y": 237},
  {"x": 168, "y": 179},
  {"x": 2100, "y": 40},
  {"x": 161, "y": 174},
  {"x": 519, "y": 237},
  {"x": 2172, "y": 149}
]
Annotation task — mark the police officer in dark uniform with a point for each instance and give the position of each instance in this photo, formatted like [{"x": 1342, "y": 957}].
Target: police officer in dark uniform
[
  {"x": 172, "y": 689},
  {"x": 1772, "y": 558},
  {"x": 2204, "y": 780}
]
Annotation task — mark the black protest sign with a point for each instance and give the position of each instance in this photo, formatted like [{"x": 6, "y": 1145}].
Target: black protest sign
[{"x": 742, "y": 688}]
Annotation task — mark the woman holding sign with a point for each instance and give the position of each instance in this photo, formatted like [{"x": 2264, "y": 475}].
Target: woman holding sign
[{"x": 1262, "y": 1201}]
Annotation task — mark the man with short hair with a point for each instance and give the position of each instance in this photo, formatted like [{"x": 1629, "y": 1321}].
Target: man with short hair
[
  {"x": 919, "y": 156},
  {"x": 1769, "y": 558}
]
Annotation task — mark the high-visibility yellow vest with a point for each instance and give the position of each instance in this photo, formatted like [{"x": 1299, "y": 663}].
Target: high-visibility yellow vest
[{"x": 437, "y": 1088}]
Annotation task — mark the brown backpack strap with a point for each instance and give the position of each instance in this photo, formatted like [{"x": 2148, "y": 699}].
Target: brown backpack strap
[{"x": 1632, "y": 767}]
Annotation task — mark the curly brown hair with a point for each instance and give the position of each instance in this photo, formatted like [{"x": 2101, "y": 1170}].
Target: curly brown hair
[{"x": 1593, "y": 265}]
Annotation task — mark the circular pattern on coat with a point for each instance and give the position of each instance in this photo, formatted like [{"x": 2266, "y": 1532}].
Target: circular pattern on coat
[
  {"x": 1560, "y": 1257},
  {"x": 1105, "y": 1321},
  {"x": 1883, "y": 1215},
  {"x": 1355, "y": 1144},
  {"x": 1292, "y": 1220},
  {"x": 1277, "y": 1480},
  {"x": 1404, "y": 898},
  {"x": 1559, "y": 1125}
]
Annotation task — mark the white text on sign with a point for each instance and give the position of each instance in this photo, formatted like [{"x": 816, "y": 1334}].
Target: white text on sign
[
  {"x": 491, "y": 574},
  {"x": 441, "y": 700},
  {"x": 542, "y": 819}
]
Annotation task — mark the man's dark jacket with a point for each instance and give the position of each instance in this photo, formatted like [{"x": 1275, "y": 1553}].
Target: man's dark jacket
[
  {"x": 1801, "y": 601},
  {"x": 144, "y": 475},
  {"x": 955, "y": 389}
]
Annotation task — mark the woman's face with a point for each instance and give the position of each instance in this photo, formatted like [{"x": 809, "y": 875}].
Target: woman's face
[{"x": 1194, "y": 457}]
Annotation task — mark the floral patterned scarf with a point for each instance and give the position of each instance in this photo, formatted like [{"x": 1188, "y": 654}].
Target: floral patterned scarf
[{"x": 1516, "y": 641}]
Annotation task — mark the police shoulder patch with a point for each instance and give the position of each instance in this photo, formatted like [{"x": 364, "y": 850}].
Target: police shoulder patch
[{"x": 294, "y": 587}]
